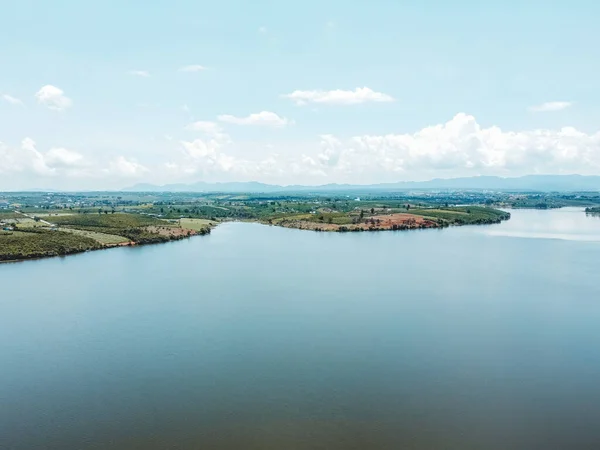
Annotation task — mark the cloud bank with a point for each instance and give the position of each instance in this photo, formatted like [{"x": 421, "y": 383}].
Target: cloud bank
[{"x": 458, "y": 147}]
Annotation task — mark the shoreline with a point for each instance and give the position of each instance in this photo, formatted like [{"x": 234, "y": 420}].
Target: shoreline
[
  {"x": 105, "y": 247},
  {"x": 397, "y": 221}
]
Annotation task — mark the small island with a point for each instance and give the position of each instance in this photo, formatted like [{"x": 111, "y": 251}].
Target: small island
[{"x": 593, "y": 210}]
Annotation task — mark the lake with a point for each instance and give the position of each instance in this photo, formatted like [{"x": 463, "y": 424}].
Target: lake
[{"x": 261, "y": 337}]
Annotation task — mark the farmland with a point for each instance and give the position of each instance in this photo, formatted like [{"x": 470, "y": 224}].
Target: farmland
[
  {"x": 102, "y": 238},
  {"x": 53, "y": 234},
  {"x": 43, "y": 243}
]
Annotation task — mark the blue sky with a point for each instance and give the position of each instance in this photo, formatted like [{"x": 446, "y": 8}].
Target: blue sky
[{"x": 106, "y": 94}]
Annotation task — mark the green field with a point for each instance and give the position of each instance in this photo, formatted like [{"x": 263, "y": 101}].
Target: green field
[
  {"x": 102, "y": 238},
  {"x": 464, "y": 215},
  {"x": 46, "y": 216},
  {"x": 42, "y": 243},
  {"x": 117, "y": 220},
  {"x": 25, "y": 222},
  {"x": 129, "y": 226},
  {"x": 195, "y": 224}
]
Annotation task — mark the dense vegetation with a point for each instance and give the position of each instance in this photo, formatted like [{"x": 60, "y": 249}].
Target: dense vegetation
[
  {"x": 35, "y": 243},
  {"x": 595, "y": 210},
  {"x": 131, "y": 226},
  {"x": 117, "y": 221},
  {"x": 471, "y": 215}
]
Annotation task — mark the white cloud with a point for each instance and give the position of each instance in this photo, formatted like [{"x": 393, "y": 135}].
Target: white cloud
[
  {"x": 199, "y": 148},
  {"x": 206, "y": 157},
  {"x": 64, "y": 158},
  {"x": 339, "y": 97},
  {"x": 461, "y": 147},
  {"x": 263, "y": 30},
  {"x": 192, "y": 68},
  {"x": 139, "y": 73},
  {"x": 54, "y": 98},
  {"x": 29, "y": 160},
  {"x": 551, "y": 106},
  {"x": 12, "y": 100},
  {"x": 210, "y": 129},
  {"x": 122, "y": 166},
  {"x": 25, "y": 167},
  {"x": 266, "y": 118},
  {"x": 205, "y": 126}
]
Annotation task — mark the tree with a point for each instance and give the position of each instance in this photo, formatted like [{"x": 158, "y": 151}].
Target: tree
[
  {"x": 407, "y": 207},
  {"x": 362, "y": 213},
  {"x": 372, "y": 210}
]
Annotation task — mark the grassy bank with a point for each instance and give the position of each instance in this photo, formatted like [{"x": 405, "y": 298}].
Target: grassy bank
[
  {"x": 73, "y": 233},
  {"x": 37, "y": 243}
]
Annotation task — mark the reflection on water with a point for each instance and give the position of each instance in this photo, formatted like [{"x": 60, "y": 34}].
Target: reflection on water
[
  {"x": 567, "y": 223},
  {"x": 261, "y": 337}
]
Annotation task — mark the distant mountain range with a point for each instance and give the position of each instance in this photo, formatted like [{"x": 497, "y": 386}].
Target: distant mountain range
[{"x": 526, "y": 183}]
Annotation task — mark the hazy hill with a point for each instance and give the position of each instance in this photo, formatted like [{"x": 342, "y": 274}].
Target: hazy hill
[{"x": 525, "y": 183}]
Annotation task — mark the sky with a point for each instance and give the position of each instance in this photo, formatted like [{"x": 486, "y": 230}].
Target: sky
[{"x": 104, "y": 95}]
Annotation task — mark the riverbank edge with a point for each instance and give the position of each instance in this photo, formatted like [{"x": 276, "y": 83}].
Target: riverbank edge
[
  {"x": 340, "y": 229},
  {"x": 104, "y": 247}
]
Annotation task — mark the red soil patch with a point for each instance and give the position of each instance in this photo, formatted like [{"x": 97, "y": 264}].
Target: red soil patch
[
  {"x": 405, "y": 219},
  {"x": 171, "y": 231},
  {"x": 399, "y": 221}
]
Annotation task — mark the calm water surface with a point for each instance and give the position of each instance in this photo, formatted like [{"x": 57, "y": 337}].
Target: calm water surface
[{"x": 267, "y": 338}]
